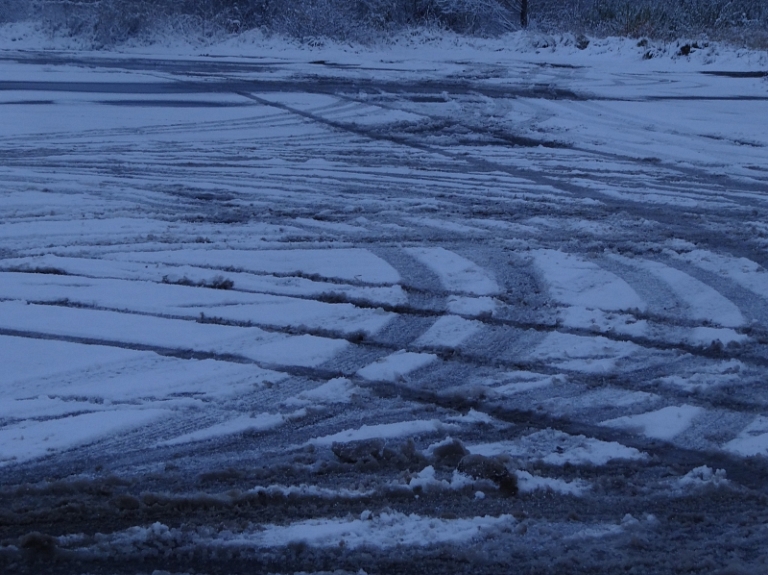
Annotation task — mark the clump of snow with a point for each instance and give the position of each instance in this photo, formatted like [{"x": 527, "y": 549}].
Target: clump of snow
[
  {"x": 426, "y": 480},
  {"x": 702, "y": 476},
  {"x": 528, "y": 483}
]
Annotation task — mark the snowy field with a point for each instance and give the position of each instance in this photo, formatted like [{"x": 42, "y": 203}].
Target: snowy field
[{"x": 444, "y": 306}]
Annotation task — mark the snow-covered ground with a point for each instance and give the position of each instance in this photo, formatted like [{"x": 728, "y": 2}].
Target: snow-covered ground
[{"x": 308, "y": 309}]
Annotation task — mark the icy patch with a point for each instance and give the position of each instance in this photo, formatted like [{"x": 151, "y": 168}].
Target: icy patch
[
  {"x": 456, "y": 273},
  {"x": 585, "y": 354},
  {"x": 557, "y": 448},
  {"x": 243, "y": 424},
  {"x": 396, "y": 366},
  {"x": 665, "y": 423},
  {"x": 449, "y": 331},
  {"x": 753, "y": 439},
  {"x": 385, "y": 431}
]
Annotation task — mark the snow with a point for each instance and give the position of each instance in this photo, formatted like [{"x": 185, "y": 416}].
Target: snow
[
  {"x": 358, "y": 265},
  {"x": 665, "y": 423},
  {"x": 254, "y": 281},
  {"x": 311, "y": 490},
  {"x": 385, "y": 530},
  {"x": 471, "y": 306},
  {"x": 98, "y": 325},
  {"x": 32, "y": 439},
  {"x": 703, "y": 301},
  {"x": 743, "y": 271},
  {"x": 261, "y": 422},
  {"x": 707, "y": 335},
  {"x": 357, "y": 232},
  {"x": 449, "y": 331},
  {"x": 396, "y": 366},
  {"x": 528, "y": 483},
  {"x": 386, "y": 431},
  {"x": 584, "y": 354},
  {"x": 588, "y": 400},
  {"x": 752, "y": 440},
  {"x": 457, "y": 274},
  {"x": 20, "y": 358},
  {"x": 382, "y": 530},
  {"x": 190, "y": 302},
  {"x": 558, "y": 448},
  {"x": 717, "y": 374},
  {"x": 576, "y": 282},
  {"x": 522, "y": 381},
  {"x": 425, "y": 480},
  {"x": 337, "y": 390}
]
